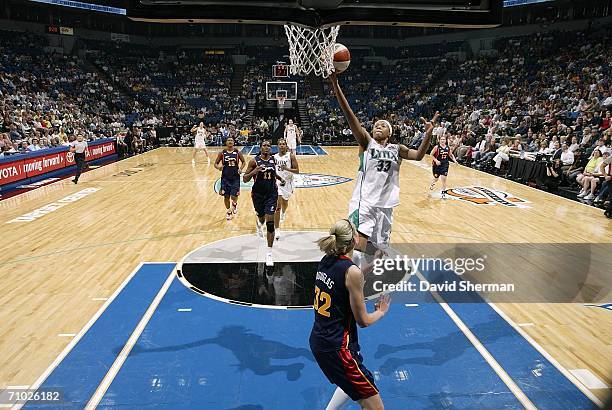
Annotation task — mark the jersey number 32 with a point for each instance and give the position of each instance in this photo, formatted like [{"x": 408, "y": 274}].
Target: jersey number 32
[{"x": 323, "y": 297}]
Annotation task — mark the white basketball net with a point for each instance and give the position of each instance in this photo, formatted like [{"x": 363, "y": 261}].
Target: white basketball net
[{"x": 311, "y": 49}]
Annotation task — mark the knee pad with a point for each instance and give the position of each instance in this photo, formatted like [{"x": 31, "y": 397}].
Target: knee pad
[{"x": 270, "y": 226}]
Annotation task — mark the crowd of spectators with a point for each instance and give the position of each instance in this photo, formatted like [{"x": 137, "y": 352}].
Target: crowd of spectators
[
  {"x": 46, "y": 102},
  {"x": 545, "y": 97}
]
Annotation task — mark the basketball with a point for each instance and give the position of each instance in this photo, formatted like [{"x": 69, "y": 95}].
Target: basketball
[{"x": 342, "y": 58}]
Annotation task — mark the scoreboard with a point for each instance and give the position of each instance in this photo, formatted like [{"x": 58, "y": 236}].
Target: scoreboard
[{"x": 280, "y": 70}]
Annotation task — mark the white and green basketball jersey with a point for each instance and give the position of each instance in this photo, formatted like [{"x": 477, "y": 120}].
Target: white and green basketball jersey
[
  {"x": 378, "y": 176},
  {"x": 286, "y": 161}
]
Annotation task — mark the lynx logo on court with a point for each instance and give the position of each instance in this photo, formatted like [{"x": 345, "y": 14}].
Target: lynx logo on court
[
  {"x": 299, "y": 181},
  {"x": 486, "y": 196}
]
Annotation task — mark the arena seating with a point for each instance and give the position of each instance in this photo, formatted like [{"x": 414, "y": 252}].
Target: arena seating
[{"x": 538, "y": 88}]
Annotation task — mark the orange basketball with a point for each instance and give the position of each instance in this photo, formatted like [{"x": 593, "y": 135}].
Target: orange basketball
[{"x": 342, "y": 58}]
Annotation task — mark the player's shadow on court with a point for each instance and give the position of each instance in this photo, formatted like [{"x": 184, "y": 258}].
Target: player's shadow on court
[
  {"x": 444, "y": 349},
  {"x": 252, "y": 351}
]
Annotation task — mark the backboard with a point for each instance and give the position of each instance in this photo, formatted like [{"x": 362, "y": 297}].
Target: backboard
[
  {"x": 286, "y": 89},
  {"x": 323, "y": 13}
]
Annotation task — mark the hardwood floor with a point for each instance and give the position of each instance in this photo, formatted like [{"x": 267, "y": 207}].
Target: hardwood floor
[{"x": 157, "y": 207}]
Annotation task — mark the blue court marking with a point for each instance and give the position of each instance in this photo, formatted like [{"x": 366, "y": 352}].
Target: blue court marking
[
  {"x": 305, "y": 150},
  {"x": 223, "y": 356},
  {"x": 540, "y": 380},
  {"x": 246, "y": 150},
  {"x": 82, "y": 370},
  {"x": 607, "y": 306},
  {"x": 319, "y": 151}
]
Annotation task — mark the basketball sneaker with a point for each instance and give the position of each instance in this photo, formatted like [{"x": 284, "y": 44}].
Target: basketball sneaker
[
  {"x": 235, "y": 207},
  {"x": 228, "y": 215},
  {"x": 269, "y": 259}
]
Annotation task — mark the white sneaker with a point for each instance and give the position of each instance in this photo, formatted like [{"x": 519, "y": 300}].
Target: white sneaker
[
  {"x": 228, "y": 215},
  {"x": 282, "y": 217},
  {"x": 589, "y": 197},
  {"x": 277, "y": 234},
  {"x": 235, "y": 208},
  {"x": 269, "y": 259},
  {"x": 581, "y": 194},
  {"x": 193, "y": 162}
]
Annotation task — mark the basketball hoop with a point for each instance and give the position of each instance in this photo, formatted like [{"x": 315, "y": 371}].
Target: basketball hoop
[{"x": 311, "y": 49}]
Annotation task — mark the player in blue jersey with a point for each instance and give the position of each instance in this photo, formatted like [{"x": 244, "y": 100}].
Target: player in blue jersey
[
  {"x": 441, "y": 157},
  {"x": 230, "y": 162},
  {"x": 264, "y": 192},
  {"x": 339, "y": 306}
]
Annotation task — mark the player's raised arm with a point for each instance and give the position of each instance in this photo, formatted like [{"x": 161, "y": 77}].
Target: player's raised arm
[
  {"x": 354, "y": 284},
  {"x": 418, "y": 154},
  {"x": 361, "y": 135}
]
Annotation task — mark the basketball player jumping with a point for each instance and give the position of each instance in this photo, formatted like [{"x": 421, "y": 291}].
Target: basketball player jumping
[
  {"x": 228, "y": 162},
  {"x": 293, "y": 136},
  {"x": 264, "y": 192},
  {"x": 377, "y": 189},
  {"x": 286, "y": 166},
  {"x": 200, "y": 141},
  {"x": 441, "y": 154}
]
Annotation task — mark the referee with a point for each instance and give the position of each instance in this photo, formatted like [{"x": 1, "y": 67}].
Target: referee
[{"x": 78, "y": 147}]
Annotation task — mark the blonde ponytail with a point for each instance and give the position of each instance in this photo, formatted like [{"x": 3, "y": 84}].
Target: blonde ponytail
[{"x": 341, "y": 239}]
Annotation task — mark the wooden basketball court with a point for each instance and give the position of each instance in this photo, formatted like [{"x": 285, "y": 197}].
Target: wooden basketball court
[{"x": 60, "y": 265}]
